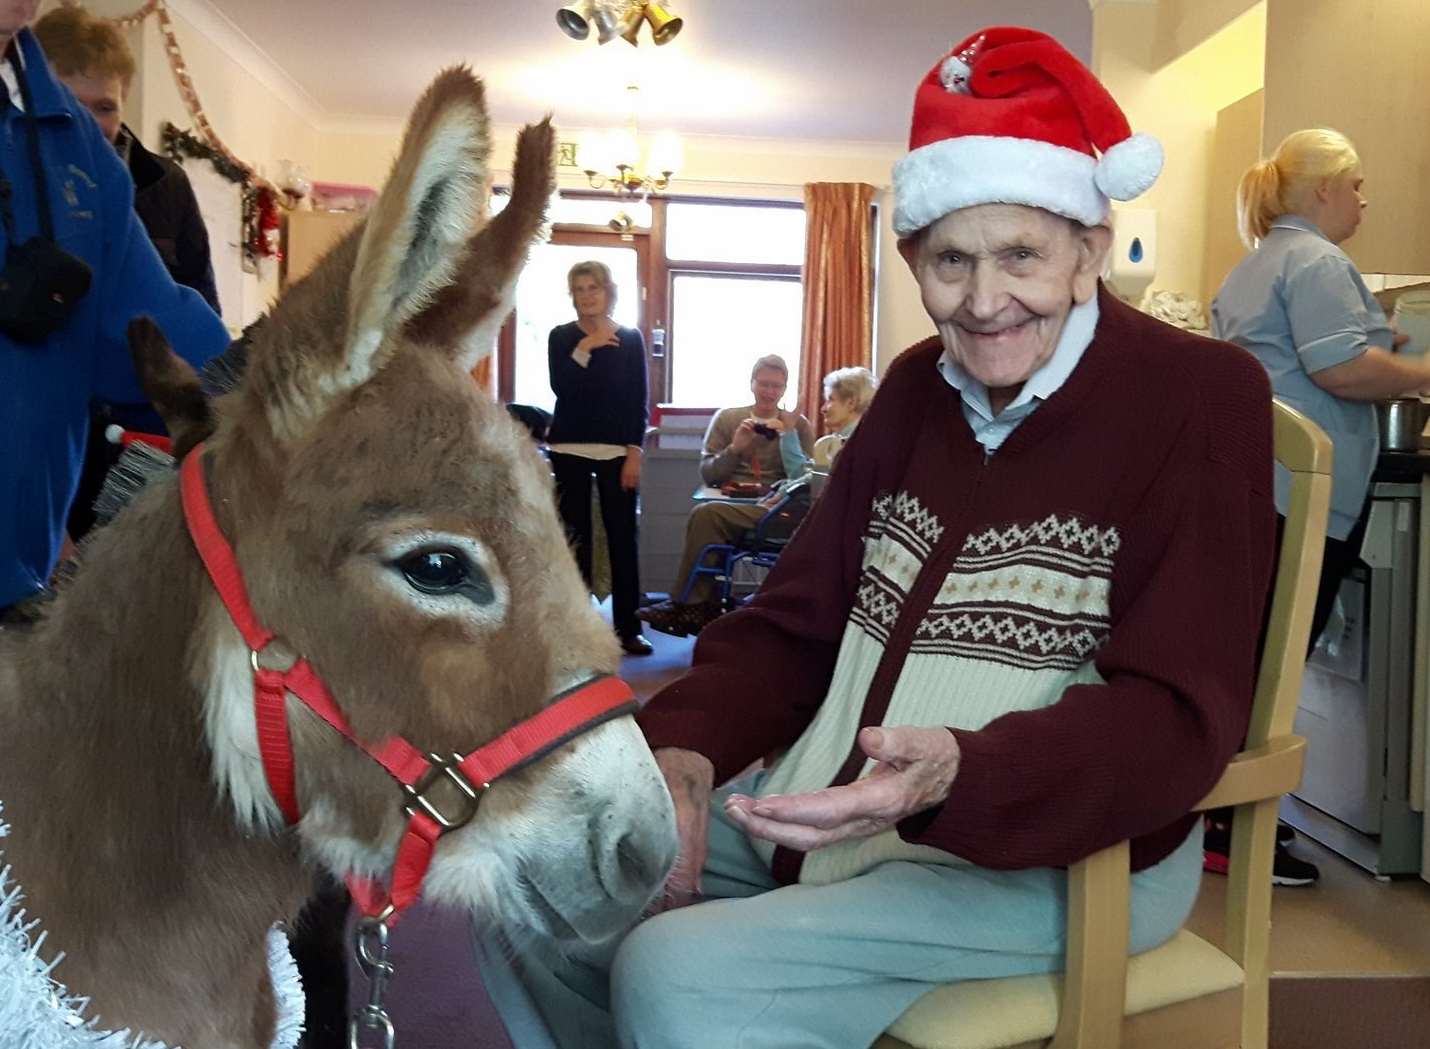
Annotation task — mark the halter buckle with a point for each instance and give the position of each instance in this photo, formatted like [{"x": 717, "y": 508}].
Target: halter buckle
[{"x": 445, "y": 769}]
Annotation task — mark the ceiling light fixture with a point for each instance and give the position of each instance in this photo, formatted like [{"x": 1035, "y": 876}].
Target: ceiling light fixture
[
  {"x": 613, "y": 158},
  {"x": 618, "y": 18}
]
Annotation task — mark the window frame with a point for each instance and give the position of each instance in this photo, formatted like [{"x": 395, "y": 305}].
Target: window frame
[{"x": 658, "y": 276}]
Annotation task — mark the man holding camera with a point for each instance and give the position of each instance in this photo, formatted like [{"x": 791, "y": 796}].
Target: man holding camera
[
  {"x": 742, "y": 454},
  {"x": 77, "y": 268}
]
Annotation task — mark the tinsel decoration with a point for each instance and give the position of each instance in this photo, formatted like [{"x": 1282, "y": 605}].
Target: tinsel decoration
[
  {"x": 36, "y": 1010},
  {"x": 260, "y": 199},
  {"x": 39, "y": 1012}
]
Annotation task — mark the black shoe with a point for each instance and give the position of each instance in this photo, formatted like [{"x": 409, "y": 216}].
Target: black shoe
[
  {"x": 636, "y": 645},
  {"x": 1285, "y": 833},
  {"x": 1290, "y": 870}
]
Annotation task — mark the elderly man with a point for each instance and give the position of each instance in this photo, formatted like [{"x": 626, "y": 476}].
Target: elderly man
[
  {"x": 63, "y": 319},
  {"x": 743, "y": 445},
  {"x": 1019, "y": 625}
]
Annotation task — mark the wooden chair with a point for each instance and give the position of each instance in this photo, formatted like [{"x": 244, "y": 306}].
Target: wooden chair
[{"x": 1185, "y": 994}]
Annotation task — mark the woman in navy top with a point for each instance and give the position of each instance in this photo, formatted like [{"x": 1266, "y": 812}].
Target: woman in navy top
[{"x": 598, "y": 372}]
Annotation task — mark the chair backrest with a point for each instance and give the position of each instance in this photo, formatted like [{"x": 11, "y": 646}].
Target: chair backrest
[{"x": 1303, "y": 448}]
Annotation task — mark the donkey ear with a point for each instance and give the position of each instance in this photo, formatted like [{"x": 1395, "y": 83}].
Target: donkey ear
[
  {"x": 171, "y": 386},
  {"x": 466, "y": 314},
  {"x": 417, "y": 232}
]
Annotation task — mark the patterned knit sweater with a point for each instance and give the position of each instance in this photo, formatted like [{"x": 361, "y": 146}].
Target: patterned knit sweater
[{"x": 1081, "y": 609}]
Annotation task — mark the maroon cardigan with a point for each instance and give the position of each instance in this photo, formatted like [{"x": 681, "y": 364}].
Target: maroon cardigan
[{"x": 1163, "y": 434}]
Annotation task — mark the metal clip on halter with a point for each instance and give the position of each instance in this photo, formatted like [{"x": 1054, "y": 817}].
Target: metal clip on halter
[
  {"x": 445, "y": 769},
  {"x": 371, "y": 950}
]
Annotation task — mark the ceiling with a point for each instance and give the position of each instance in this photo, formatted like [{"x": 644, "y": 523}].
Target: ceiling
[{"x": 804, "y": 69}]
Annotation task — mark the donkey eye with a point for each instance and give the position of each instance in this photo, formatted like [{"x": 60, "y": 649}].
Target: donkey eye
[{"x": 445, "y": 572}]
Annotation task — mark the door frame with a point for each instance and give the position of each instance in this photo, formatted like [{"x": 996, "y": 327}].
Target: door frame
[{"x": 595, "y": 237}]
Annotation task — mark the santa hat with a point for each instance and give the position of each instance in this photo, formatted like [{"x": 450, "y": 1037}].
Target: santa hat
[{"x": 1010, "y": 117}]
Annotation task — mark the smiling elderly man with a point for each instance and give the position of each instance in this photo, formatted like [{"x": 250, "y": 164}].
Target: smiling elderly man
[{"x": 1019, "y": 625}]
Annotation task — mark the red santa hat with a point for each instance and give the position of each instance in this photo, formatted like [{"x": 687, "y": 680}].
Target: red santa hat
[{"x": 1009, "y": 116}]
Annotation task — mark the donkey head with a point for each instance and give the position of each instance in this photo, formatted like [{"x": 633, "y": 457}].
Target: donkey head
[{"x": 395, "y": 528}]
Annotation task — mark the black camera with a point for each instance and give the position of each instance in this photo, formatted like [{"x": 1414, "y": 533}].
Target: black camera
[
  {"x": 40, "y": 287},
  {"x": 765, "y": 430}
]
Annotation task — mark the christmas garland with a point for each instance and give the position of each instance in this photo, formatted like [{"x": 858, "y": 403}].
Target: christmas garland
[
  {"x": 260, "y": 202},
  {"x": 260, "y": 199}
]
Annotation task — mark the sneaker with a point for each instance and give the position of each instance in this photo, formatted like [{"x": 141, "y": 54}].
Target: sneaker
[
  {"x": 1288, "y": 869},
  {"x": 1285, "y": 833}
]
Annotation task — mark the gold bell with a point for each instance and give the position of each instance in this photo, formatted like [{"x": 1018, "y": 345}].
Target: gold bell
[
  {"x": 631, "y": 24},
  {"x": 663, "y": 25}
]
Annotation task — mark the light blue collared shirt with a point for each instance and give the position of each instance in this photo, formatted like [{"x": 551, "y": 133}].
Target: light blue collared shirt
[
  {"x": 992, "y": 430},
  {"x": 1298, "y": 304}
]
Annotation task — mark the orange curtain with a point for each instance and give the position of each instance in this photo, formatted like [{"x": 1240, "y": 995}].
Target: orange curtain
[
  {"x": 485, "y": 374},
  {"x": 838, "y": 286}
]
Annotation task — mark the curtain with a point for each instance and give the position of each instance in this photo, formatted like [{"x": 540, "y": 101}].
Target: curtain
[
  {"x": 485, "y": 374},
  {"x": 838, "y": 286}
]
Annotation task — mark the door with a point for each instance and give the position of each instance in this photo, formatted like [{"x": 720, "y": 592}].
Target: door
[{"x": 543, "y": 302}]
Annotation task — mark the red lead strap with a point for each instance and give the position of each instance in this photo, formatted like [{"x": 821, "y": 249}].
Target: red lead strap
[{"x": 570, "y": 714}]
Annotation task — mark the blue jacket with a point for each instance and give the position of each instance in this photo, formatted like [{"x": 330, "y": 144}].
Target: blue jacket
[{"x": 45, "y": 389}]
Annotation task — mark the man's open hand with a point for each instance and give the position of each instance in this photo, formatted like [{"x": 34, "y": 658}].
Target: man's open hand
[{"x": 917, "y": 766}]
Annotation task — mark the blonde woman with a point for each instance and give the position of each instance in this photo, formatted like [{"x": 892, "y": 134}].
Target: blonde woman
[
  {"x": 598, "y": 373},
  {"x": 1299, "y": 305}
]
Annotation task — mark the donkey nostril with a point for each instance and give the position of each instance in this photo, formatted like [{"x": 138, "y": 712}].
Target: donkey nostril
[{"x": 637, "y": 865}]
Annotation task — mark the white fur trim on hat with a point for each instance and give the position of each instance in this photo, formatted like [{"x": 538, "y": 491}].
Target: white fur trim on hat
[
  {"x": 955, "y": 173},
  {"x": 1129, "y": 167}
]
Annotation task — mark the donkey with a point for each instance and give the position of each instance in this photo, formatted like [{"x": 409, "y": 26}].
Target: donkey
[{"x": 396, "y": 529}]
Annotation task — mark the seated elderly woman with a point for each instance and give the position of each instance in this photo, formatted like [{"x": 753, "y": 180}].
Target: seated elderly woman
[
  {"x": 848, "y": 392},
  {"x": 1019, "y": 625}
]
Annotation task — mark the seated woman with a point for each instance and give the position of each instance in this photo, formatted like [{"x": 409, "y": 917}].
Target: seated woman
[{"x": 848, "y": 392}]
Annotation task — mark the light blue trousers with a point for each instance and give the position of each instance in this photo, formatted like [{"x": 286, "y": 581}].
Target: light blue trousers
[{"x": 764, "y": 966}]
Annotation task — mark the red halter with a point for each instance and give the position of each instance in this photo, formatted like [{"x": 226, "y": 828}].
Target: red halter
[{"x": 464, "y": 778}]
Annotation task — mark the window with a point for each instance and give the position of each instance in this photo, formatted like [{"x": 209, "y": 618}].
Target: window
[
  {"x": 711, "y": 284},
  {"x": 735, "y": 294},
  {"x": 724, "y": 323}
]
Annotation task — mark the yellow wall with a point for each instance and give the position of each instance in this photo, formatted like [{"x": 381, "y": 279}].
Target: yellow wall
[{"x": 1178, "y": 103}]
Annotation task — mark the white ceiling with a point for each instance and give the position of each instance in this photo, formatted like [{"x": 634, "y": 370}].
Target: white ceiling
[{"x": 804, "y": 69}]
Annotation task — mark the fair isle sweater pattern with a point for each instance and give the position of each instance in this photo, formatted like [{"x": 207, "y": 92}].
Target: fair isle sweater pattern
[{"x": 1034, "y": 596}]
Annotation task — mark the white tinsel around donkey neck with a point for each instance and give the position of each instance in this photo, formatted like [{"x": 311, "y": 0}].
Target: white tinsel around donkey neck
[{"x": 39, "y": 1012}]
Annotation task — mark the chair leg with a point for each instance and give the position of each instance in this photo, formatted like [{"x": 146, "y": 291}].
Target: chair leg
[{"x": 1248, "y": 918}]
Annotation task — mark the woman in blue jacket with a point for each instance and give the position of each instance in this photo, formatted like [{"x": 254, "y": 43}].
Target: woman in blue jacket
[{"x": 46, "y": 386}]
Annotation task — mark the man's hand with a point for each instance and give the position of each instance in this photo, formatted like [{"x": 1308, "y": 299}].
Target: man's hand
[
  {"x": 917, "y": 767},
  {"x": 744, "y": 436},
  {"x": 690, "y": 778},
  {"x": 631, "y": 470}
]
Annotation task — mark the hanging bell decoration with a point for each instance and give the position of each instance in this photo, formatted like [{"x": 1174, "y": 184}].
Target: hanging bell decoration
[
  {"x": 609, "y": 24},
  {"x": 663, "y": 25},
  {"x": 631, "y": 24},
  {"x": 575, "y": 18}
]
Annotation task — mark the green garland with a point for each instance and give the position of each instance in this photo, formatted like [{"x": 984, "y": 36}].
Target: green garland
[{"x": 179, "y": 144}]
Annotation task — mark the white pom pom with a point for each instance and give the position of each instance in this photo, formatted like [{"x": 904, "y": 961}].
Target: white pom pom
[
  {"x": 1129, "y": 168},
  {"x": 954, "y": 74},
  {"x": 114, "y": 433}
]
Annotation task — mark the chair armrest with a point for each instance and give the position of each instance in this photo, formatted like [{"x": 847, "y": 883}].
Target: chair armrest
[{"x": 1258, "y": 775}]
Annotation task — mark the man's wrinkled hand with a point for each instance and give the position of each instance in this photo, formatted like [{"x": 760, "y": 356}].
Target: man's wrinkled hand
[
  {"x": 916, "y": 768},
  {"x": 690, "y": 778}
]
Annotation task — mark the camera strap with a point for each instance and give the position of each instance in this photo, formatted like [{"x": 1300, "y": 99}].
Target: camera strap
[{"x": 32, "y": 132}]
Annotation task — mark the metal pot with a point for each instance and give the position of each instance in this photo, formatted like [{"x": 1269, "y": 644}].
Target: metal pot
[{"x": 1401, "y": 420}]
